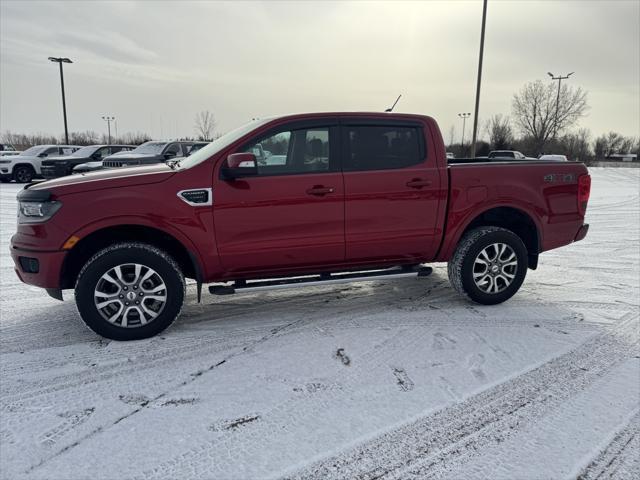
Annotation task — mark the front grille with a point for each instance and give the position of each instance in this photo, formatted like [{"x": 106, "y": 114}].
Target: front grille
[
  {"x": 48, "y": 171},
  {"x": 54, "y": 171},
  {"x": 112, "y": 164}
]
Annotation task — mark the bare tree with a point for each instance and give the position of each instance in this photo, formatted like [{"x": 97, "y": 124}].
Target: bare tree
[
  {"x": 88, "y": 137},
  {"x": 613, "y": 142},
  {"x": 576, "y": 145},
  {"x": 205, "y": 125},
  {"x": 534, "y": 110},
  {"x": 500, "y": 132}
]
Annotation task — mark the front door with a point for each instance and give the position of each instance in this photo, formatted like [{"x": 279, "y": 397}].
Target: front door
[
  {"x": 392, "y": 192},
  {"x": 292, "y": 213}
]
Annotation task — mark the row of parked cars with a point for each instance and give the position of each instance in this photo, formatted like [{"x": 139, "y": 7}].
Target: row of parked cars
[{"x": 53, "y": 161}]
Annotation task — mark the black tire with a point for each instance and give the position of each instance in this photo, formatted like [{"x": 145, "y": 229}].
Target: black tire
[
  {"x": 123, "y": 257},
  {"x": 461, "y": 266},
  {"x": 23, "y": 173}
]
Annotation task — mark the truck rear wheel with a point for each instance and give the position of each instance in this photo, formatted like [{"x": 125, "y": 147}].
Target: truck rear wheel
[
  {"x": 130, "y": 291},
  {"x": 489, "y": 265}
]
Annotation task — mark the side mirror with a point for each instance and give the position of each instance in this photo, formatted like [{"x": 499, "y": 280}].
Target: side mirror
[
  {"x": 240, "y": 165},
  {"x": 42, "y": 155}
]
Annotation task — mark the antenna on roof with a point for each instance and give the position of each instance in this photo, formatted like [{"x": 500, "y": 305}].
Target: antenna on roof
[{"x": 394, "y": 104}]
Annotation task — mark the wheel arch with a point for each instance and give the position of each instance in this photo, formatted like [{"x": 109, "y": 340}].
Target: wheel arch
[
  {"x": 100, "y": 238},
  {"x": 15, "y": 166},
  {"x": 512, "y": 218}
]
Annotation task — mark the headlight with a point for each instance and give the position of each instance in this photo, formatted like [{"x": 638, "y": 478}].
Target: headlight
[{"x": 37, "y": 212}]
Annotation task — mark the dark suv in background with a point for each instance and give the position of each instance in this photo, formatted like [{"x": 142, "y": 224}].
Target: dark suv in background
[
  {"x": 55, "y": 167},
  {"x": 153, "y": 152}
]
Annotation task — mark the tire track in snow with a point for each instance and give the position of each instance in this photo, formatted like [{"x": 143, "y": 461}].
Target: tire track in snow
[
  {"x": 202, "y": 460},
  {"x": 168, "y": 351},
  {"x": 620, "y": 459},
  {"x": 424, "y": 448},
  {"x": 303, "y": 317},
  {"x": 191, "y": 378}
]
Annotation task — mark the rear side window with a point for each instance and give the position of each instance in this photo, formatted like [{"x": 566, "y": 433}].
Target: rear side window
[{"x": 381, "y": 147}]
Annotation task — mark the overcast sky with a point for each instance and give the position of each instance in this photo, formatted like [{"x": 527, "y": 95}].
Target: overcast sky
[{"x": 155, "y": 64}]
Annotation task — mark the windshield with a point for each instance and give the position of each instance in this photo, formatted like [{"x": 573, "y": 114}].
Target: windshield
[
  {"x": 149, "y": 147},
  {"x": 34, "y": 150},
  {"x": 219, "y": 143},
  {"x": 85, "y": 151}
]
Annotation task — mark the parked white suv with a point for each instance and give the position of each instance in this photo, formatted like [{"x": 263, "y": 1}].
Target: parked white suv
[{"x": 25, "y": 167}]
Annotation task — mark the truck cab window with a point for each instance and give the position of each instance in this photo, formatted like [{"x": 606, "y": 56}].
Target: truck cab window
[
  {"x": 289, "y": 152},
  {"x": 381, "y": 148}
]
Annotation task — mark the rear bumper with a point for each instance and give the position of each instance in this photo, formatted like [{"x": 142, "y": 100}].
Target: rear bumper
[
  {"x": 582, "y": 232},
  {"x": 49, "y": 267}
]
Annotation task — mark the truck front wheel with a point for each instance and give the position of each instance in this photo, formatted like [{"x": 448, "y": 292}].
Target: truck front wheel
[
  {"x": 130, "y": 291},
  {"x": 489, "y": 265}
]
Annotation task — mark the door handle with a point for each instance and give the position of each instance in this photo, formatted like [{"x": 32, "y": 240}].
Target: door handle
[
  {"x": 418, "y": 183},
  {"x": 319, "y": 190}
]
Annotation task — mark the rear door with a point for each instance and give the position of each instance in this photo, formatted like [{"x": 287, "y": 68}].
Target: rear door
[
  {"x": 392, "y": 191},
  {"x": 292, "y": 213}
]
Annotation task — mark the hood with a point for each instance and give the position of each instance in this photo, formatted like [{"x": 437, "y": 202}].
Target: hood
[
  {"x": 116, "y": 178},
  {"x": 62, "y": 157},
  {"x": 133, "y": 156},
  {"x": 22, "y": 158},
  {"x": 95, "y": 163}
]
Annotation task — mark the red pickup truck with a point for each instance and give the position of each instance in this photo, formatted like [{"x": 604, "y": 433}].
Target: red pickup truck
[{"x": 289, "y": 201}]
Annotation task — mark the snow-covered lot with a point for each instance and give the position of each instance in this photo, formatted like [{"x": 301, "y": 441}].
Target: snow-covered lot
[{"x": 394, "y": 379}]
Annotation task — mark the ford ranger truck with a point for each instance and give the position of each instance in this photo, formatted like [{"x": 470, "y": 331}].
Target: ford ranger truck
[{"x": 352, "y": 197}]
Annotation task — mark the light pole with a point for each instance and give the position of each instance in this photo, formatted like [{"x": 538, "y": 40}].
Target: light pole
[
  {"x": 60, "y": 61},
  {"x": 475, "y": 116},
  {"x": 559, "y": 78},
  {"x": 108, "y": 119},
  {"x": 464, "y": 117}
]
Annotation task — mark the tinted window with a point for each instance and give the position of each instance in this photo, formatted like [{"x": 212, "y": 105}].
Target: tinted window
[
  {"x": 175, "y": 149},
  {"x": 194, "y": 148},
  {"x": 381, "y": 148},
  {"x": 103, "y": 152},
  {"x": 297, "y": 151}
]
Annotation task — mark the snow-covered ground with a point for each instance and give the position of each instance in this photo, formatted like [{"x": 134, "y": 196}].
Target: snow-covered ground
[{"x": 394, "y": 379}]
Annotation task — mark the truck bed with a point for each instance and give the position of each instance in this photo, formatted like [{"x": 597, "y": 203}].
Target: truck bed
[{"x": 545, "y": 191}]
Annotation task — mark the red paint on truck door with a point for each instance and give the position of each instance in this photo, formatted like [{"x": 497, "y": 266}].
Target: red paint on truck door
[
  {"x": 292, "y": 213},
  {"x": 392, "y": 192}
]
